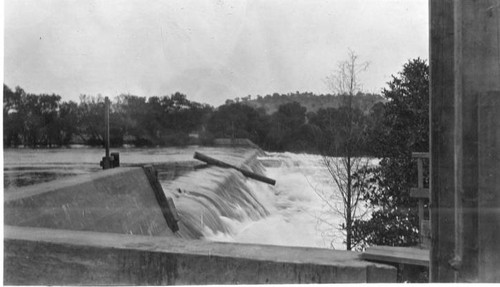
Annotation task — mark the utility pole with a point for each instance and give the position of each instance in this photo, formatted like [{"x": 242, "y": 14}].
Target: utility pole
[
  {"x": 106, "y": 122},
  {"x": 113, "y": 160}
]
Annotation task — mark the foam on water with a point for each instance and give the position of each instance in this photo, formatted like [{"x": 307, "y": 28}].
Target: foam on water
[
  {"x": 298, "y": 208},
  {"x": 207, "y": 198},
  {"x": 237, "y": 209}
]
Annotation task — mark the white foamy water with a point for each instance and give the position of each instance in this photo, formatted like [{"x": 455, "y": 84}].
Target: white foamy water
[{"x": 297, "y": 215}]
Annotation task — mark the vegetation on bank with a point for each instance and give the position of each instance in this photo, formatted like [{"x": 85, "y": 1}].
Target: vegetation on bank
[
  {"x": 43, "y": 120},
  {"x": 403, "y": 129},
  {"x": 271, "y": 103}
]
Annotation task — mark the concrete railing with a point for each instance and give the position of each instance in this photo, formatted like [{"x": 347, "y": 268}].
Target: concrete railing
[{"x": 63, "y": 257}]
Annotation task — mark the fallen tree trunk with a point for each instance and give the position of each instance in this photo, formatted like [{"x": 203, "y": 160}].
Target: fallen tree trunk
[{"x": 216, "y": 162}]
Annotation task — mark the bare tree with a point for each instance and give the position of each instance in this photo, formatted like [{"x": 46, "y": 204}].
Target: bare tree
[
  {"x": 344, "y": 81},
  {"x": 341, "y": 157}
]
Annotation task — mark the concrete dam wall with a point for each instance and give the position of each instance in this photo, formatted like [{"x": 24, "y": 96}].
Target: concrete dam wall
[
  {"x": 113, "y": 200},
  {"x": 119, "y": 226}
]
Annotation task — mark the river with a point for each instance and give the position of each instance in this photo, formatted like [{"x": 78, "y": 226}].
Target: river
[{"x": 290, "y": 213}]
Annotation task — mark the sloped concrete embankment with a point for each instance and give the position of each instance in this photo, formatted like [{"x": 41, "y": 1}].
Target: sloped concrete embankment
[{"x": 121, "y": 200}]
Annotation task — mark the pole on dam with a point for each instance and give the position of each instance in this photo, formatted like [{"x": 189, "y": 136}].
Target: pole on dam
[
  {"x": 113, "y": 160},
  {"x": 106, "y": 122}
]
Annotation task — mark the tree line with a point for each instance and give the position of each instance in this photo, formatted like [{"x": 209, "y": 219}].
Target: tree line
[
  {"x": 312, "y": 102},
  {"x": 44, "y": 120},
  {"x": 292, "y": 127}
]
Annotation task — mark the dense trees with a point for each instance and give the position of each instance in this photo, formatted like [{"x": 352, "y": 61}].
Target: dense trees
[
  {"x": 312, "y": 102},
  {"x": 403, "y": 129},
  {"x": 12, "y": 120},
  {"x": 238, "y": 121},
  {"x": 285, "y": 126},
  {"x": 283, "y": 130},
  {"x": 159, "y": 120},
  {"x": 44, "y": 121},
  {"x": 31, "y": 119}
]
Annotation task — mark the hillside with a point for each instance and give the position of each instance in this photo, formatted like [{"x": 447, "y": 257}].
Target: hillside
[{"x": 312, "y": 102}]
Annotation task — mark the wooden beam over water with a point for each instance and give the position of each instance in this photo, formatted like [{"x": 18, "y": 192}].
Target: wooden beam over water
[{"x": 216, "y": 162}]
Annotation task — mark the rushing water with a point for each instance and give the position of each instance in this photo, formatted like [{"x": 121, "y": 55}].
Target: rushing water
[
  {"x": 214, "y": 203},
  {"x": 294, "y": 208}
]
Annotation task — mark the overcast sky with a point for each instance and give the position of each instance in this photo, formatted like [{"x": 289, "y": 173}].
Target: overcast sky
[{"x": 209, "y": 50}]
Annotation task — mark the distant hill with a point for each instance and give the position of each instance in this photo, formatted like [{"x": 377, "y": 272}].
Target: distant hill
[{"x": 312, "y": 102}]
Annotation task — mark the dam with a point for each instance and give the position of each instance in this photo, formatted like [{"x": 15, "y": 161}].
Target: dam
[{"x": 157, "y": 219}]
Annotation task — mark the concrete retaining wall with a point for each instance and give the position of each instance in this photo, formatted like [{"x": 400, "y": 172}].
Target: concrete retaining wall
[{"x": 61, "y": 257}]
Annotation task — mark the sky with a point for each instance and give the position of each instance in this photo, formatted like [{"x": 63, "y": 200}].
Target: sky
[{"x": 210, "y": 50}]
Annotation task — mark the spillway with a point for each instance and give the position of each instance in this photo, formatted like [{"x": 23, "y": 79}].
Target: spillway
[
  {"x": 207, "y": 198},
  {"x": 221, "y": 204}
]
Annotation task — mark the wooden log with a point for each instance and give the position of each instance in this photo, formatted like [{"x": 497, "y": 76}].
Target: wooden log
[
  {"x": 216, "y": 162},
  {"x": 166, "y": 203}
]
